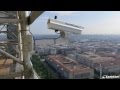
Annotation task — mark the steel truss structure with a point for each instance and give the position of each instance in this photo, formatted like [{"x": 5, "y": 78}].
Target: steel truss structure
[{"x": 17, "y": 44}]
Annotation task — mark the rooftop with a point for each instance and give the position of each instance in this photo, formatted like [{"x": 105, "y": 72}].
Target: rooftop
[
  {"x": 111, "y": 64},
  {"x": 96, "y": 58},
  {"x": 69, "y": 64},
  {"x": 5, "y": 67}
]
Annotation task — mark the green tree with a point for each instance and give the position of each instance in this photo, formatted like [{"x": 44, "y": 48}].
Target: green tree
[{"x": 42, "y": 71}]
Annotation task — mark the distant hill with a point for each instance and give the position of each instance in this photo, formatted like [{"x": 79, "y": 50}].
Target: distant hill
[
  {"x": 82, "y": 37},
  {"x": 95, "y": 37},
  {"x": 72, "y": 37},
  {"x": 38, "y": 37}
]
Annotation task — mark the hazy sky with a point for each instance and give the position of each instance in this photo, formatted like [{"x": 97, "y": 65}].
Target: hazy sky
[{"x": 95, "y": 22}]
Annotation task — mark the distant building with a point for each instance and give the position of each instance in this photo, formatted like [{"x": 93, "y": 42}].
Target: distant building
[
  {"x": 109, "y": 64},
  {"x": 68, "y": 68},
  {"x": 112, "y": 67}
]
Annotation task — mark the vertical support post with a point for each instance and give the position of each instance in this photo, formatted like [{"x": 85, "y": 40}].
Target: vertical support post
[
  {"x": 20, "y": 67},
  {"x": 28, "y": 69},
  {"x": 19, "y": 39}
]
